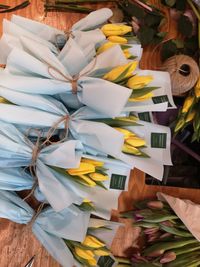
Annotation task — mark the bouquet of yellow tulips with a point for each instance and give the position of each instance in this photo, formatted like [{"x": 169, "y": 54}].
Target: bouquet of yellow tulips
[
  {"x": 87, "y": 252},
  {"x": 119, "y": 34},
  {"x": 190, "y": 113},
  {"x": 95, "y": 248},
  {"x": 90, "y": 173},
  {"x": 125, "y": 75}
]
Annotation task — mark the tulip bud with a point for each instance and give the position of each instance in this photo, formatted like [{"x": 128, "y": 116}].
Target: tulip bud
[
  {"x": 92, "y": 262},
  {"x": 197, "y": 89},
  {"x": 84, "y": 254},
  {"x": 87, "y": 181},
  {"x": 179, "y": 125},
  {"x": 155, "y": 204},
  {"x": 135, "y": 141},
  {"x": 125, "y": 70},
  {"x": 118, "y": 39},
  {"x": 151, "y": 231},
  {"x": 138, "y": 82},
  {"x": 100, "y": 252},
  {"x": 187, "y": 104},
  {"x": 141, "y": 98},
  {"x": 125, "y": 132},
  {"x": 105, "y": 47},
  {"x": 98, "y": 177},
  {"x": 96, "y": 163},
  {"x": 156, "y": 253},
  {"x": 190, "y": 116},
  {"x": 131, "y": 150},
  {"x": 168, "y": 257},
  {"x": 93, "y": 242},
  {"x": 115, "y": 29},
  {"x": 127, "y": 53},
  {"x": 83, "y": 168}
]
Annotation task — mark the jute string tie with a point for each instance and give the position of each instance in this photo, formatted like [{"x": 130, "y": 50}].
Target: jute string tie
[
  {"x": 73, "y": 80},
  {"x": 36, "y": 148}
]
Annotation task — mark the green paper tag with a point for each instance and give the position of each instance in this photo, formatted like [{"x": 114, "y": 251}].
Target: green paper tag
[
  {"x": 159, "y": 140},
  {"x": 105, "y": 261},
  {"x": 144, "y": 116},
  {"x": 117, "y": 181},
  {"x": 161, "y": 99}
]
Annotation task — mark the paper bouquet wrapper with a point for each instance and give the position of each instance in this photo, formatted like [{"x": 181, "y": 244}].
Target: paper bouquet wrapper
[
  {"x": 162, "y": 99},
  {"x": 158, "y": 140},
  {"x": 92, "y": 134},
  {"x": 31, "y": 75},
  {"x": 16, "y": 151},
  {"x": 186, "y": 210},
  {"x": 104, "y": 200},
  {"x": 15, "y": 179},
  {"x": 85, "y": 32},
  {"x": 50, "y": 227}
]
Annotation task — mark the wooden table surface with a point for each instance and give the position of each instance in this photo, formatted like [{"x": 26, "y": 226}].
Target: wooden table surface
[{"x": 16, "y": 245}]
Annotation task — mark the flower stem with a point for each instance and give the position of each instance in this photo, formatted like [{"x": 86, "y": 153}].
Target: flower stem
[
  {"x": 194, "y": 9},
  {"x": 82, "y": 1},
  {"x": 64, "y": 8}
]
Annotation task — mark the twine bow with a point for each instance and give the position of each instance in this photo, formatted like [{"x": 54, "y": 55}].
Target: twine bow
[{"x": 74, "y": 79}]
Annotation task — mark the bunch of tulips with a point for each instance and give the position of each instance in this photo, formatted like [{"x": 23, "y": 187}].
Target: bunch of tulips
[{"x": 165, "y": 240}]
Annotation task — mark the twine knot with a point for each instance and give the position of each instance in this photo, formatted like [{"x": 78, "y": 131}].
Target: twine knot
[{"x": 36, "y": 214}]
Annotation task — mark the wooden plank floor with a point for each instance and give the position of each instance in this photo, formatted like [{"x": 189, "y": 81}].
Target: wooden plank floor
[{"x": 16, "y": 245}]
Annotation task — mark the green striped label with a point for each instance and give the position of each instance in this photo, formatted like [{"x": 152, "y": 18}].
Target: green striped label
[
  {"x": 161, "y": 99},
  {"x": 117, "y": 181},
  {"x": 105, "y": 261},
  {"x": 144, "y": 116},
  {"x": 159, "y": 140}
]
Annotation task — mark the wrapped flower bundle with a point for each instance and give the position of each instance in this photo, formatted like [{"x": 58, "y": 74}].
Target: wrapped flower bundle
[
  {"x": 57, "y": 231},
  {"x": 168, "y": 239}
]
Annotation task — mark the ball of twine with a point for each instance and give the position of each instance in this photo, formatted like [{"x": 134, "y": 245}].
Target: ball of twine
[{"x": 184, "y": 73}]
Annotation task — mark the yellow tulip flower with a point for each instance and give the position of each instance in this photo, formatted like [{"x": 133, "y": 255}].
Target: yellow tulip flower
[
  {"x": 197, "y": 88},
  {"x": 87, "y": 180},
  {"x": 187, "y": 104},
  {"x": 135, "y": 141},
  {"x": 190, "y": 116},
  {"x": 92, "y": 262},
  {"x": 179, "y": 125},
  {"x": 100, "y": 252},
  {"x": 115, "y": 29},
  {"x": 125, "y": 132},
  {"x": 83, "y": 168},
  {"x": 141, "y": 98},
  {"x": 105, "y": 47},
  {"x": 84, "y": 254},
  {"x": 114, "y": 74},
  {"x": 117, "y": 39},
  {"x": 93, "y": 242},
  {"x": 98, "y": 177},
  {"x": 131, "y": 118},
  {"x": 127, "y": 53},
  {"x": 3, "y": 100},
  {"x": 131, "y": 150},
  {"x": 96, "y": 163},
  {"x": 85, "y": 200},
  {"x": 138, "y": 82}
]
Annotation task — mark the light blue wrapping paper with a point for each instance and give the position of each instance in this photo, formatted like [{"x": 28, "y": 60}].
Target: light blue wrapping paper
[
  {"x": 15, "y": 179},
  {"x": 47, "y": 111},
  {"x": 85, "y": 34},
  {"x": 50, "y": 226},
  {"x": 31, "y": 73}
]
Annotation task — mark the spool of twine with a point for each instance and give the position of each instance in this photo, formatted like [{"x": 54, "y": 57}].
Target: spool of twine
[{"x": 184, "y": 73}]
